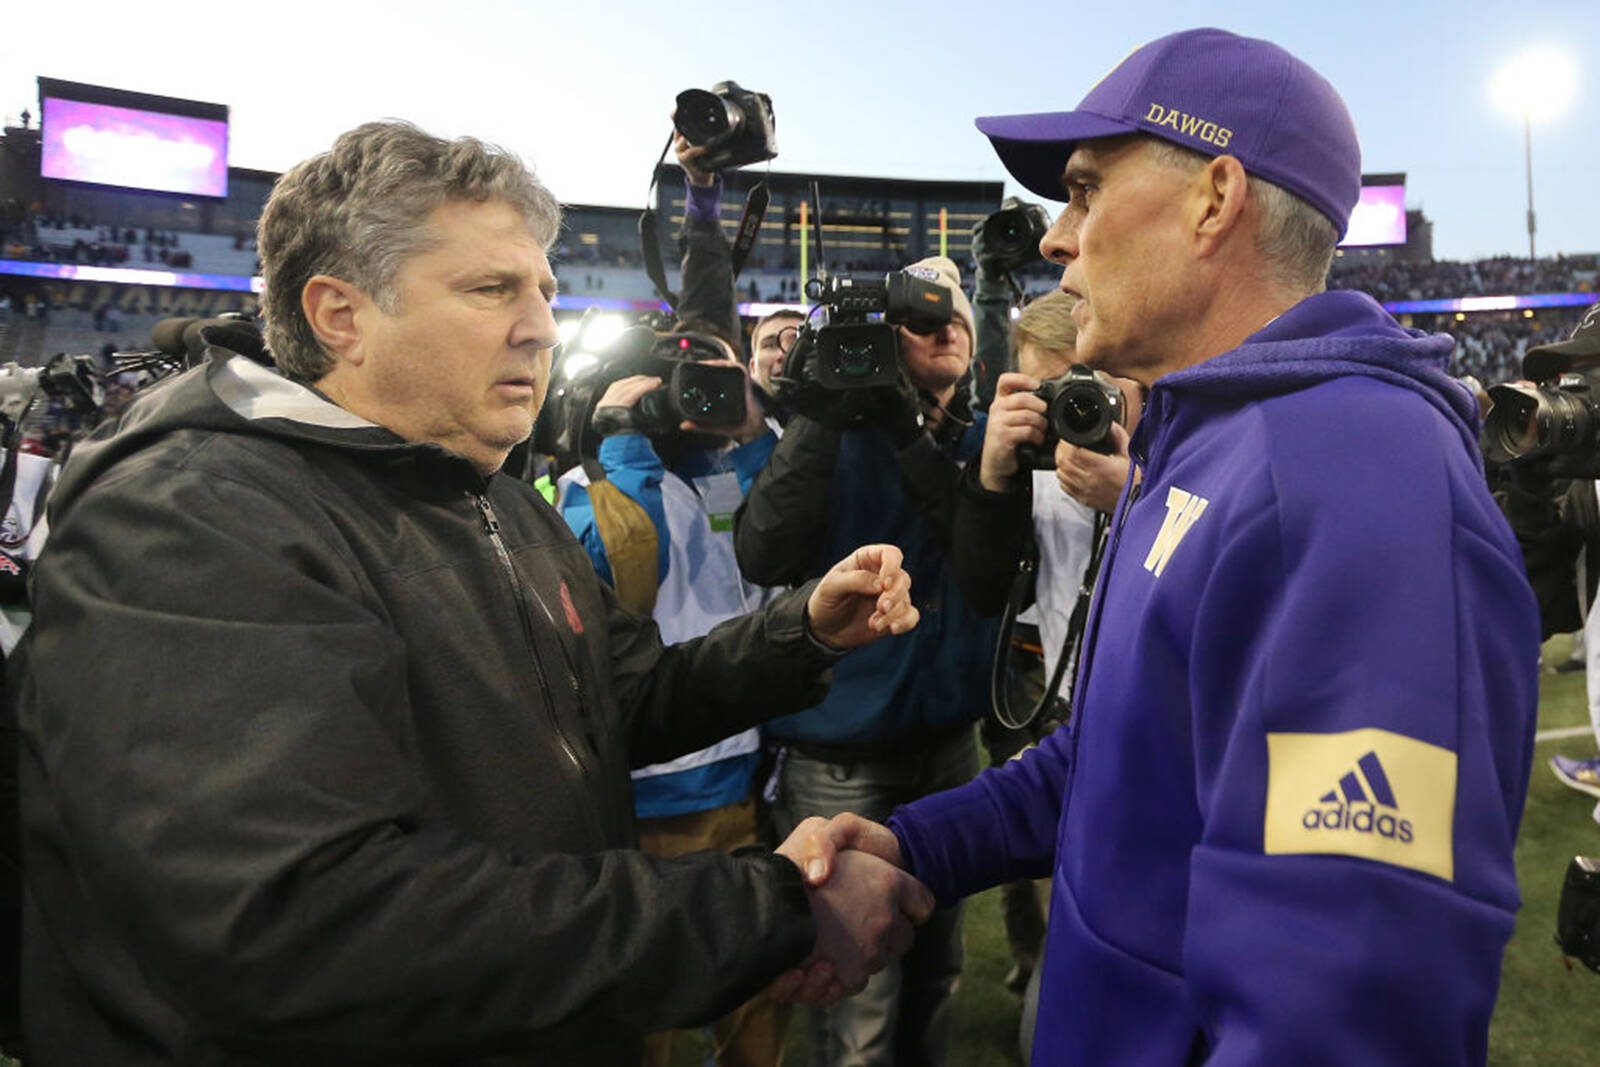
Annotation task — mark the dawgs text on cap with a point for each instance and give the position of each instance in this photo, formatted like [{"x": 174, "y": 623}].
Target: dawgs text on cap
[{"x": 1212, "y": 91}]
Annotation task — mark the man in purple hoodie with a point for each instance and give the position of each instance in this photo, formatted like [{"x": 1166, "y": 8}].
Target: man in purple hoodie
[{"x": 1281, "y": 822}]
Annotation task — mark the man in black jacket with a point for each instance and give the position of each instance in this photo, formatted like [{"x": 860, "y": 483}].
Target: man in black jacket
[{"x": 326, "y": 725}]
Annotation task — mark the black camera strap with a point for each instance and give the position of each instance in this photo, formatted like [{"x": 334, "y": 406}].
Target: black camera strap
[
  {"x": 650, "y": 235},
  {"x": 1022, "y": 593},
  {"x": 756, "y": 202},
  {"x": 755, "y": 209}
]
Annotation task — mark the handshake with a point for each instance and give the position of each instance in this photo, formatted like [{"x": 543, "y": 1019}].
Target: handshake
[{"x": 865, "y": 906}]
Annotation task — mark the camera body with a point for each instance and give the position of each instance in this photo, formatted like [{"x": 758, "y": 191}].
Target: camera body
[
  {"x": 1080, "y": 407},
  {"x": 1010, "y": 237},
  {"x": 733, "y": 124},
  {"x": 858, "y": 348},
  {"x": 1578, "y": 914}
]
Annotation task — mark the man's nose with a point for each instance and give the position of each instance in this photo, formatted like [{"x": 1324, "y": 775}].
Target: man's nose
[
  {"x": 1060, "y": 242},
  {"x": 536, "y": 324}
]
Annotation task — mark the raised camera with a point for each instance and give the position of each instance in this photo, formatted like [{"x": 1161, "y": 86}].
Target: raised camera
[
  {"x": 1011, "y": 235},
  {"x": 734, "y": 125}
]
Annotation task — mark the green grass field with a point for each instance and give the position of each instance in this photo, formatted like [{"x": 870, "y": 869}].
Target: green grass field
[{"x": 1546, "y": 1016}]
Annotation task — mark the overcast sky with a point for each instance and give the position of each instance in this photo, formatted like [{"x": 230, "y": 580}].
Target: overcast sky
[{"x": 583, "y": 90}]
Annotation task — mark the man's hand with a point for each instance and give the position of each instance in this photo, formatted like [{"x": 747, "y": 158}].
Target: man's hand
[
  {"x": 1016, "y": 417},
  {"x": 863, "y": 597},
  {"x": 864, "y": 906},
  {"x": 1093, "y": 478},
  {"x": 687, "y": 155},
  {"x": 817, "y": 842},
  {"x": 625, "y": 392}
]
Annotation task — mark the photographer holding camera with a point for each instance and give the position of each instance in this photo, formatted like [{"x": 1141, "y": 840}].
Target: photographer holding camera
[
  {"x": 1024, "y": 533},
  {"x": 897, "y": 723},
  {"x": 689, "y": 478}
]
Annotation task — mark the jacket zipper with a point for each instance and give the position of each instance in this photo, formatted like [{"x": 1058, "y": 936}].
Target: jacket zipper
[
  {"x": 520, "y": 592},
  {"x": 1092, "y": 631}
]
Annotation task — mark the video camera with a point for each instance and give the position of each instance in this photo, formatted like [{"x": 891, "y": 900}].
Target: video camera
[
  {"x": 692, "y": 390},
  {"x": 1080, "y": 407},
  {"x": 733, "y": 124},
  {"x": 74, "y": 380},
  {"x": 857, "y": 346},
  {"x": 1009, "y": 238}
]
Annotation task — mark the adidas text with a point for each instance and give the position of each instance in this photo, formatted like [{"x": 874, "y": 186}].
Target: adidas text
[{"x": 1362, "y": 818}]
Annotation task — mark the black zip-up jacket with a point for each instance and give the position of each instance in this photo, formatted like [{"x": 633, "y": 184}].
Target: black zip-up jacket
[{"x": 324, "y": 753}]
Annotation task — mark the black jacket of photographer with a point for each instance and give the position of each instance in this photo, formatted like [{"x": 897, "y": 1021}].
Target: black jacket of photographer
[{"x": 325, "y": 741}]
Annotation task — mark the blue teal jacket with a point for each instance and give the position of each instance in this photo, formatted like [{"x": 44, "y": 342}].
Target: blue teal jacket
[{"x": 632, "y": 464}]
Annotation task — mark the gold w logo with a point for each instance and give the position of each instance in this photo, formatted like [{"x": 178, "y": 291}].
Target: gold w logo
[{"x": 1183, "y": 510}]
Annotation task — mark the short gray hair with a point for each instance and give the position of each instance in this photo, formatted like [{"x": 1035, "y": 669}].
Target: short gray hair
[
  {"x": 359, "y": 210},
  {"x": 1295, "y": 238}
]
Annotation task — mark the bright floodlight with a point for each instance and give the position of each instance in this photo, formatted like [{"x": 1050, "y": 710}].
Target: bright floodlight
[
  {"x": 1537, "y": 84},
  {"x": 569, "y": 329},
  {"x": 601, "y": 330},
  {"x": 578, "y": 364}
]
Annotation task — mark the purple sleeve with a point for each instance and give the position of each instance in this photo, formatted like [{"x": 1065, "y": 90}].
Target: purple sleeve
[
  {"x": 704, "y": 203},
  {"x": 997, "y": 828}
]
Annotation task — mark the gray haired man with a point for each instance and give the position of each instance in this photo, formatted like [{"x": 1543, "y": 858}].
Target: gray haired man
[{"x": 326, "y": 725}]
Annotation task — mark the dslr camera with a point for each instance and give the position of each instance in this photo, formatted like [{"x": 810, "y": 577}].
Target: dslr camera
[
  {"x": 1558, "y": 420},
  {"x": 693, "y": 390},
  {"x": 1010, "y": 237},
  {"x": 733, "y": 124},
  {"x": 1080, "y": 407},
  {"x": 857, "y": 347}
]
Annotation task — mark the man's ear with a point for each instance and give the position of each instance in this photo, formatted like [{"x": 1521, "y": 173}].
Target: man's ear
[
  {"x": 1218, "y": 194},
  {"x": 330, "y": 305}
]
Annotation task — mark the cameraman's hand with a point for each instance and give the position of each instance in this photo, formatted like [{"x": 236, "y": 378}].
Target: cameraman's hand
[
  {"x": 625, "y": 392},
  {"x": 897, "y": 410},
  {"x": 1093, "y": 478},
  {"x": 1015, "y": 418},
  {"x": 865, "y": 596},
  {"x": 687, "y": 155},
  {"x": 755, "y": 420}
]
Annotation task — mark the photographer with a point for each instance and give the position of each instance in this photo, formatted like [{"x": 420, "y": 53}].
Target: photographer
[
  {"x": 689, "y": 479},
  {"x": 1006, "y": 514},
  {"x": 1552, "y": 506},
  {"x": 897, "y": 723}
]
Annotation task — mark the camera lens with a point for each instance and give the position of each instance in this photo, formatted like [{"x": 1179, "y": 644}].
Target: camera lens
[
  {"x": 858, "y": 359},
  {"x": 1541, "y": 420},
  {"x": 1081, "y": 411},
  {"x": 703, "y": 117}
]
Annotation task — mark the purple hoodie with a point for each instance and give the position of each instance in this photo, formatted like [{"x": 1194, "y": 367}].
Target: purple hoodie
[{"x": 1281, "y": 824}]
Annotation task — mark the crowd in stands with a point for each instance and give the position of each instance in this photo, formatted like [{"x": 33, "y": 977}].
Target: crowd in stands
[{"x": 1500, "y": 276}]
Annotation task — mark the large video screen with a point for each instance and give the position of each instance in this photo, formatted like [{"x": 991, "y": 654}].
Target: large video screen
[
  {"x": 138, "y": 149},
  {"x": 1380, "y": 217}
]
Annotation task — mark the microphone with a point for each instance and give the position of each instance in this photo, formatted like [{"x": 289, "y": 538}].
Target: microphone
[{"x": 189, "y": 338}]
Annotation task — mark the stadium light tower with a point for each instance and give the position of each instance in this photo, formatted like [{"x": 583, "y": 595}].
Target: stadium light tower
[{"x": 1534, "y": 85}]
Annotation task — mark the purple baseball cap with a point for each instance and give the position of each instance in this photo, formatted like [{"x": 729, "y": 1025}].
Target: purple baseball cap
[{"x": 1212, "y": 91}]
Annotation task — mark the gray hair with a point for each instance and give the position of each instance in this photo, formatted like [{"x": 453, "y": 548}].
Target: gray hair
[
  {"x": 1296, "y": 239},
  {"x": 359, "y": 210}
]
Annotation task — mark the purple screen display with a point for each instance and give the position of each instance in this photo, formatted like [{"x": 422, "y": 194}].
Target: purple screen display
[
  {"x": 1380, "y": 217},
  {"x": 139, "y": 149}
]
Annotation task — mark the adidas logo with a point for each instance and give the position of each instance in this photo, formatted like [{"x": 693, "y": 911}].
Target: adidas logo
[{"x": 1355, "y": 803}]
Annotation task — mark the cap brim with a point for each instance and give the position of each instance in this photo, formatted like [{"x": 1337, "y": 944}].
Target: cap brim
[
  {"x": 1034, "y": 148},
  {"x": 1546, "y": 361}
]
